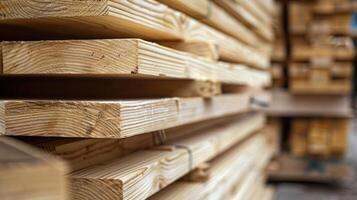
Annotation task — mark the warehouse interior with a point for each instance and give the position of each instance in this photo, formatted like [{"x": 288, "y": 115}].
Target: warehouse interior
[{"x": 178, "y": 99}]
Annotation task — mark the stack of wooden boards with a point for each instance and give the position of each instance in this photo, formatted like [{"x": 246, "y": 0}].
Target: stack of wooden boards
[
  {"x": 323, "y": 66},
  {"x": 144, "y": 99},
  {"x": 319, "y": 137},
  {"x": 322, "y": 50}
]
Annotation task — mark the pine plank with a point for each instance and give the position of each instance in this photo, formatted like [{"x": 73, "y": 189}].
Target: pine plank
[
  {"x": 152, "y": 170},
  {"x": 243, "y": 15},
  {"x": 114, "y": 18},
  {"x": 225, "y": 170},
  {"x": 146, "y": 19},
  {"x": 201, "y": 48},
  {"x": 26, "y": 173},
  {"x": 257, "y": 11},
  {"x": 113, "y": 57},
  {"x": 81, "y": 153},
  {"x": 227, "y": 46},
  {"x": 214, "y": 16},
  {"x": 114, "y": 119},
  {"x": 197, "y": 9}
]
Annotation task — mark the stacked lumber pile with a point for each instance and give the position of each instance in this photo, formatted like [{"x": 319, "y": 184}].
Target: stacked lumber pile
[
  {"x": 323, "y": 138},
  {"x": 312, "y": 106},
  {"x": 321, "y": 43},
  {"x": 322, "y": 64},
  {"x": 144, "y": 99}
]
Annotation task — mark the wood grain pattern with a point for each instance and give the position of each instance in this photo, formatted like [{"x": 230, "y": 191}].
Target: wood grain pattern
[
  {"x": 226, "y": 169},
  {"x": 257, "y": 11},
  {"x": 81, "y": 153},
  {"x": 145, "y": 19},
  {"x": 201, "y": 48},
  {"x": 247, "y": 18},
  {"x": 213, "y": 15},
  {"x": 227, "y": 46},
  {"x": 26, "y": 173},
  {"x": 197, "y": 9},
  {"x": 114, "y": 57},
  {"x": 115, "y": 119},
  {"x": 152, "y": 170},
  {"x": 106, "y": 18}
]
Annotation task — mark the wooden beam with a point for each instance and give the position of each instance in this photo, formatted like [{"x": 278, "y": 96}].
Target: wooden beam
[
  {"x": 247, "y": 18},
  {"x": 201, "y": 48},
  {"x": 214, "y": 16},
  {"x": 113, "y": 19},
  {"x": 253, "y": 8},
  {"x": 226, "y": 170},
  {"x": 227, "y": 46},
  {"x": 115, "y": 119},
  {"x": 113, "y": 57},
  {"x": 82, "y": 153},
  {"x": 152, "y": 170},
  {"x": 26, "y": 173}
]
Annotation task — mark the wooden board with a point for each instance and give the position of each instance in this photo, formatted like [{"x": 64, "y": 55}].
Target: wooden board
[
  {"x": 213, "y": 16},
  {"x": 335, "y": 87},
  {"x": 332, "y": 8},
  {"x": 306, "y": 53},
  {"x": 145, "y": 19},
  {"x": 115, "y": 119},
  {"x": 152, "y": 170},
  {"x": 201, "y": 48},
  {"x": 249, "y": 20},
  {"x": 225, "y": 170},
  {"x": 227, "y": 46},
  {"x": 257, "y": 11},
  {"x": 115, "y": 18},
  {"x": 81, "y": 153},
  {"x": 114, "y": 57},
  {"x": 26, "y": 173}
]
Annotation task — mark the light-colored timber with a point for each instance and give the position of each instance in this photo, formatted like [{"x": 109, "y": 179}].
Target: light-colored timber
[
  {"x": 201, "y": 48},
  {"x": 254, "y": 9},
  {"x": 152, "y": 170},
  {"x": 116, "y": 56},
  {"x": 249, "y": 20},
  {"x": 214, "y": 16},
  {"x": 81, "y": 153},
  {"x": 26, "y": 173},
  {"x": 198, "y": 9},
  {"x": 145, "y": 19},
  {"x": 227, "y": 46},
  {"x": 225, "y": 170},
  {"x": 115, "y": 119},
  {"x": 114, "y": 18}
]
